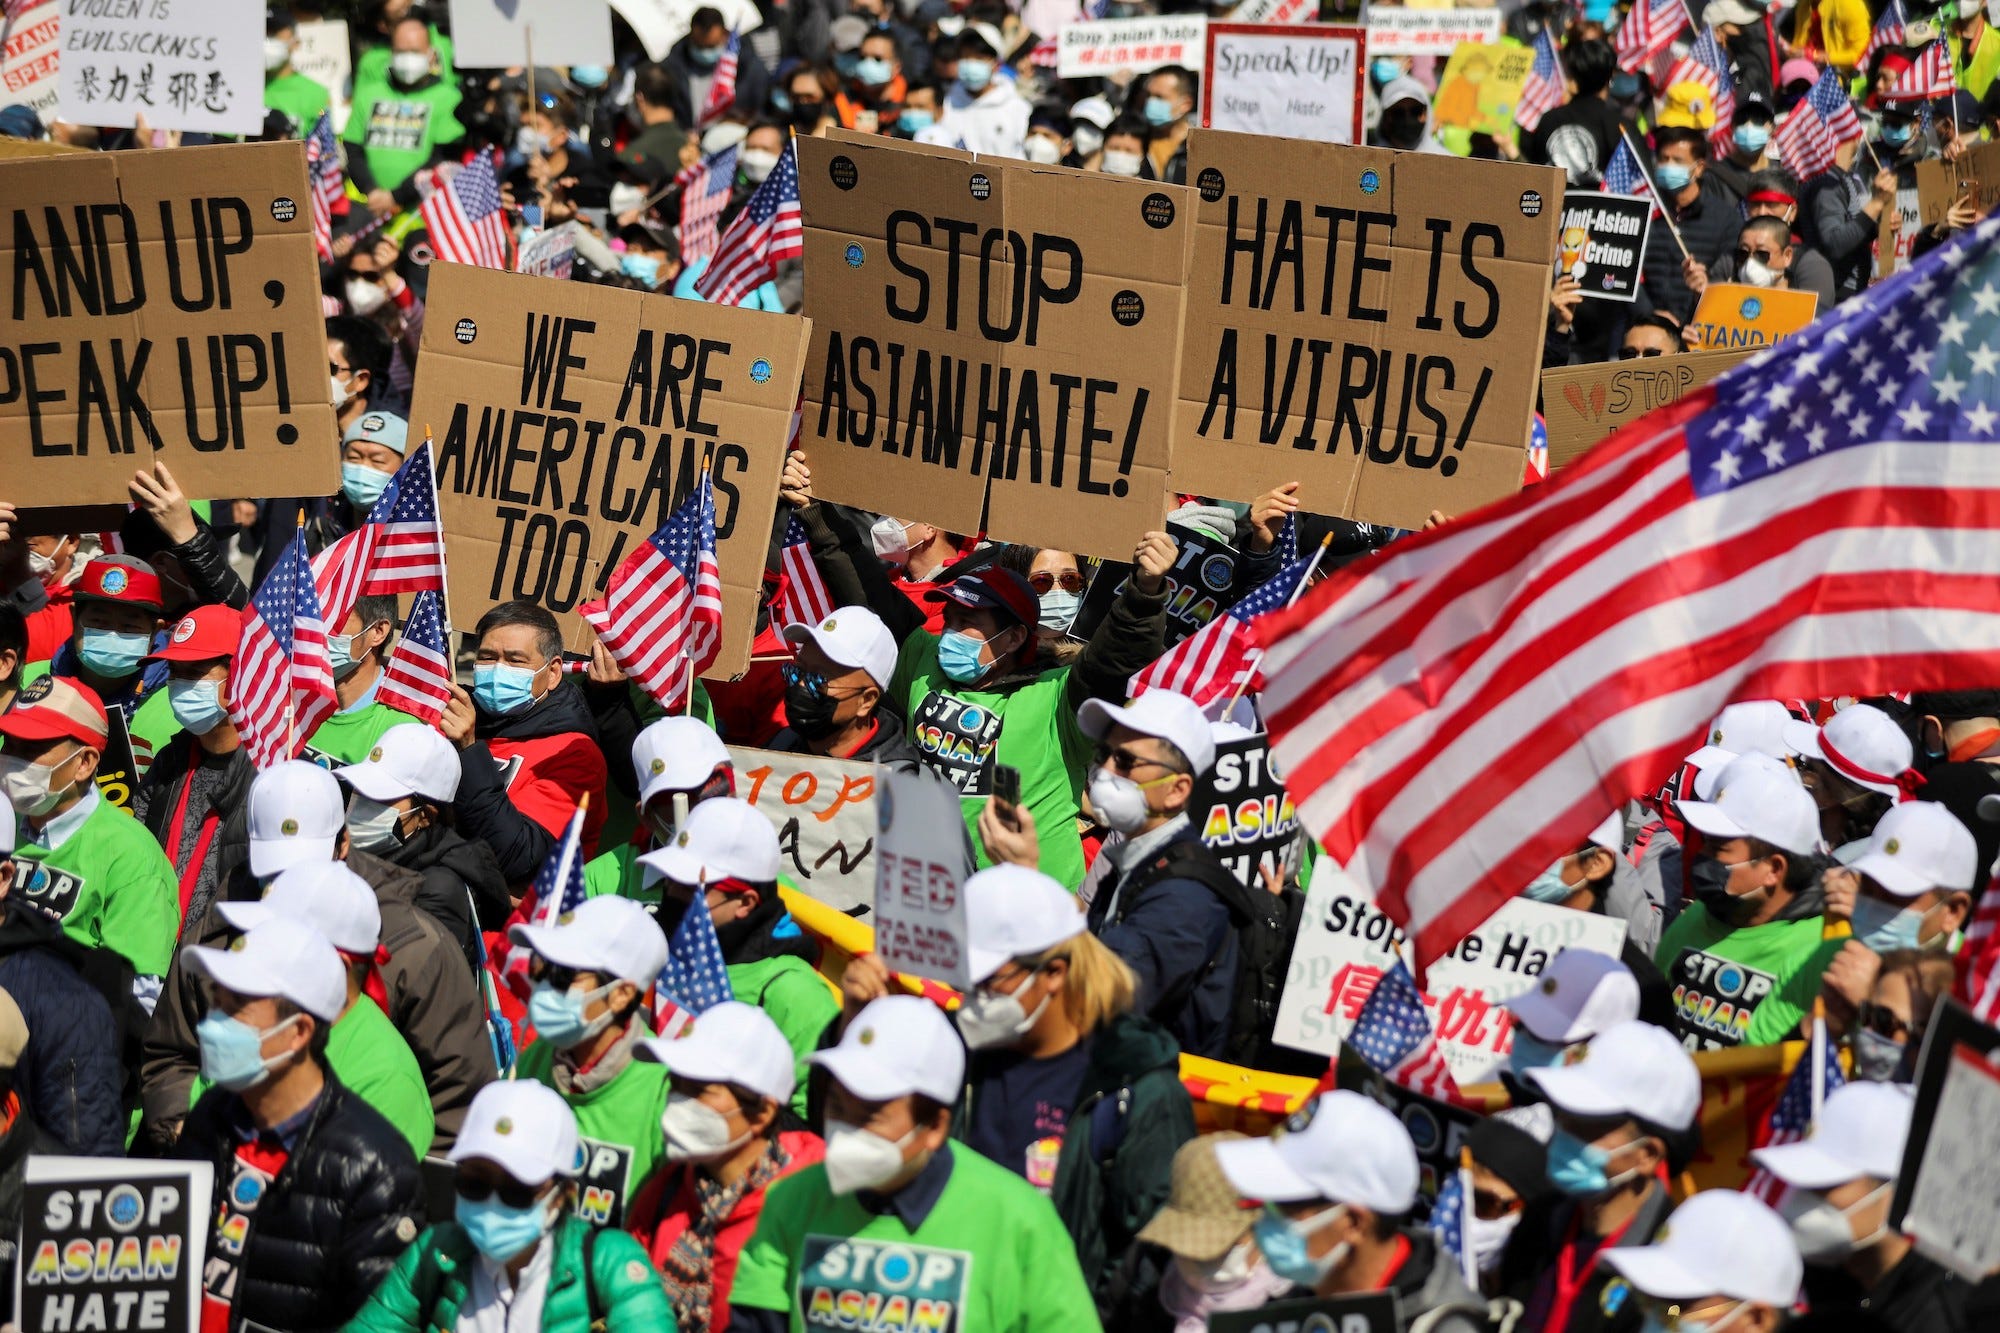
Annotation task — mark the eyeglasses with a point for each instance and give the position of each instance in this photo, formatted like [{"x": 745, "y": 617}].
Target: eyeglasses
[
  {"x": 478, "y": 1189},
  {"x": 1069, "y": 581},
  {"x": 1882, "y": 1022},
  {"x": 1125, "y": 761},
  {"x": 1632, "y": 353},
  {"x": 1745, "y": 255}
]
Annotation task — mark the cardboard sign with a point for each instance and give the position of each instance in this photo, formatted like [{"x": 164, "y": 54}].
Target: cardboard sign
[
  {"x": 1584, "y": 404},
  {"x": 1245, "y": 813},
  {"x": 509, "y": 33},
  {"x": 1896, "y": 233},
  {"x": 1372, "y": 1312},
  {"x": 1954, "y": 1212},
  {"x": 824, "y": 810},
  {"x": 1480, "y": 88},
  {"x": 659, "y": 24},
  {"x": 991, "y": 338},
  {"x": 162, "y": 305},
  {"x": 1354, "y": 324},
  {"x": 1103, "y": 47},
  {"x": 1429, "y": 32},
  {"x": 33, "y": 53},
  {"x": 571, "y": 419},
  {"x": 1941, "y": 184},
  {"x": 108, "y": 1243},
  {"x": 1345, "y": 945},
  {"x": 1735, "y": 314},
  {"x": 1603, "y": 243},
  {"x": 323, "y": 55},
  {"x": 1291, "y": 82},
  {"x": 182, "y": 64},
  {"x": 919, "y": 869},
  {"x": 1198, "y": 587}
]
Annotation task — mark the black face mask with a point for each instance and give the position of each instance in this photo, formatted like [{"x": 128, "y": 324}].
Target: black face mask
[
  {"x": 807, "y": 113},
  {"x": 1710, "y": 879},
  {"x": 809, "y": 709},
  {"x": 1402, "y": 131}
]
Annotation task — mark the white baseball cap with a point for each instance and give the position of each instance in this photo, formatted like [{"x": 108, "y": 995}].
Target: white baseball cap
[
  {"x": 1097, "y": 110},
  {"x": 731, "y": 1042},
  {"x": 280, "y": 959},
  {"x": 723, "y": 838},
  {"x": 613, "y": 937},
  {"x": 1173, "y": 718},
  {"x": 524, "y": 1128},
  {"x": 1610, "y": 835},
  {"x": 852, "y": 636},
  {"x": 1756, "y": 726},
  {"x": 1012, "y": 912},
  {"x": 1861, "y": 743},
  {"x": 8, "y": 821},
  {"x": 1340, "y": 1146},
  {"x": 327, "y": 896},
  {"x": 1755, "y": 799},
  {"x": 407, "y": 760},
  {"x": 296, "y": 815},
  {"x": 676, "y": 754},
  {"x": 1718, "y": 1243},
  {"x": 1919, "y": 846},
  {"x": 1579, "y": 994},
  {"x": 898, "y": 1045},
  {"x": 1860, "y": 1132},
  {"x": 1629, "y": 1069}
]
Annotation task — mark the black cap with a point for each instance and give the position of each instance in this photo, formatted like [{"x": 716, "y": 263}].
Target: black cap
[{"x": 1511, "y": 1153}]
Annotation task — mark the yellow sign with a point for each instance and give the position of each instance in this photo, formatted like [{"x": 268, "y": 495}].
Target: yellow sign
[
  {"x": 1734, "y": 314},
  {"x": 1480, "y": 88}
]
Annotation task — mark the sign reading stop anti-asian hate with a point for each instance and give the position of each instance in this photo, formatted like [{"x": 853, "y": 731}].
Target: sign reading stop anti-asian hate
[
  {"x": 161, "y": 305},
  {"x": 920, "y": 873},
  {"x": 182, "y": 64},
  {"x": 1602, "y": 242},
  {"x": 1354, "y": 323},
  {"x": 1297, "y": 83},
  {"x": 571, "y": 419},
  {"x": 991, "y": 336},
  {"x": 112, "y": 1245}
]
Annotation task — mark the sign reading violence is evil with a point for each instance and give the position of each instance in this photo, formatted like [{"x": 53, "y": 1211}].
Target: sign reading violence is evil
[
  {"x": 1354, "y": 321},
  {"x": 992, "y": 325},
  {"x": 571, "y": 419},
  {"x": 182, "y": 64},
  {"x": 161, "y": 305}
]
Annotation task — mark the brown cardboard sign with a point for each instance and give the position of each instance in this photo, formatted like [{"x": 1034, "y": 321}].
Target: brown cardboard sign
[
  {"x": 1583, "y": 404},
  {"x": 1942, "y": 184},
  {"x": 162, "y": 305},
  {"x": 1363, "y": 321},
  {"x": 569, "y": 420},
  {"x": 991, "y": 336}
]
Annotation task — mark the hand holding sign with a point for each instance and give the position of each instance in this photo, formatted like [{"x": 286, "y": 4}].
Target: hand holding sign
[
  {"x": 1156, "y": 555},
  {"x": 155, "y": 491},
  {"x": 1269, "y": 513}
]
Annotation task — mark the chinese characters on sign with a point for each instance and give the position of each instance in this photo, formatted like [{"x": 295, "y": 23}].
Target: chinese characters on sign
[{"x": 182, "y": 64}]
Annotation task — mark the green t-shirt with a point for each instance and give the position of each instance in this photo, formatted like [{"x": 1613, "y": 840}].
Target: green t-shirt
[
  {"x": 992, "y": 1256},
  {"x": 798, "y": 1001},
  {"x": 372, "y": 62},
  {"x": 302, "y": 100},
  {"x": 153, "y": 725},
  {"x": 347, "y": 737},
  {"x": 1745, "y": 987},
  {"x": 398, "y": 128},
  {"x": 620, "y": 1127},
  {"x": 618, "y": 871},
  {"x": 962, "y": 733},
  {"x": 109, "y": 884}
]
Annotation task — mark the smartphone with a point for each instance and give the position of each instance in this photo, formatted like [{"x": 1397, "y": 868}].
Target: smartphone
[{"x": 1007, "y": 789}]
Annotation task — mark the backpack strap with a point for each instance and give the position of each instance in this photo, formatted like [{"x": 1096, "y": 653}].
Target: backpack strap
[{"x": 1181, "y": 860}]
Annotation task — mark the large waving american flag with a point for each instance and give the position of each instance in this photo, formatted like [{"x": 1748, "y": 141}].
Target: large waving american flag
[
  {"x": 705, "y": 189},
  {"x": 722, "y": 88},
  {"x": 1221, "y": 658},
  {"x": 1648, "y": 31},
  {"x": 1455, "y": 714},
  {"x": 466, "y": 219},
  {"x": 1929, "y": 75},
  {"x": 418, "y": 677},
  {"x": 399, "y": 547},
  {"x": 661, "y": 616},
  {"x": 281, "y": 683},
  {"x": 324, "y": 181},
  {"x": 769, "y": 229}
]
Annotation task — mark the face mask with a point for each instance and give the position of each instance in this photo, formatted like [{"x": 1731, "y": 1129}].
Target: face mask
[
  {"x": 1159, "y": 112},
  {"x": 363, "y": 297},
  {"x": 1654, "y": 1324},
  {"x": 362, "y": 485},
  {"x": 1577, "y": 1168},
  {"x": 975, "y": 74},
  {"x": 809, "y": 711},
  {"x": 1283, "y": 1242},
  {"x": 1877, "y": 1059},
  {"x": 408, "y": 67},
  {"x": 27, "y": 785},
  {"x": 807, "y": 113},
  {"x": 373, "y": 827},
  {"x": 589, "y": 76},
  {"x": 696, "y": 1131},
  {"x": 915, "y": 121},
  {"x": 232, "y": 1051},
  {"x": 499, "y": 1232},
  {"x": 196, "y": 704},
  {"x": 858, "y": 1159},
  {"x": 1087, "y": 138},
  {"x": 1232, "y": 1270},
  {"x": 558, "y": 1015},
  {"x": 277, "y": 54},
  {"x": 1121, "y": 164},
  {"x": 958, "y": 654},
  {"x": 503, "y": 689},
  {"x": 1120, "y": 802},
  {"x": 1489, "y": 1239},
  {"x": 1042, "y": 150},
  {"x": 111, "y": 654},
  {"x": 1882, "y": 927},
  {"x": 707, "y": 57},
  {"x": 339, "y": 392},
  {"x": 987, "y": 1018},
  {"x": 1673, "y": 176},
  {"x": 42, "y": 566},
  {"x": 1531, "y": 1052},
  {"x": 874, "y": 71},
  {"x": 891, "y": 541},
  {"x": 1711, "y": 889},
  {"x": 1548, "y": 887},
  {"x": 626, "y": 199},
  {"x": 781, "y": 102},
  {"x": 1897, "y": 135},
  {"x": 1751, "y": 138},
  {"x": 1402, "y": 131},
  {"x": 756, "y": 164},
  {"x": 1759, "y": 274},
  {"x": 1058, "y": 606},
  {"x": 644, "y": 268},
  {"x": 1822, "y": 1231},
  {"x": 1383, "y": 70}
]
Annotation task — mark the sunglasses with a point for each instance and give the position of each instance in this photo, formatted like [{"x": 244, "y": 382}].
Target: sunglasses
[
  {"x": 1745, "y": 255},
  {"x": 1882, "y": 1022},
  {"x": 1633, "y": 353},
  {"x": 560, "y": 977},
  {"x": 1069, "y": 581},
  {"x": 1490, "y": 1207},
  {"x": 478, "y": 1189},
  {"x": 794, "y": 674},
  {"x": 1124, "y": 760}
]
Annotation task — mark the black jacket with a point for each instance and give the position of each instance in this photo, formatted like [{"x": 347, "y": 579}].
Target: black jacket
[
  {"x": 463, "y": 888},
  {"x": 1916, "y": 1296},
  {"x": 889, "y": 746},
  {"x": 484, "y": 812},
  {"x": 204, "y": 564},
  {"x": 1180, "y": 939},
  {"x": 1532, "y": 1253},
  {"x": 753, "y": 84},
  {"x": 160, "y": 793},
  {"x": 1579, "y": 136},
  {"x": 329, "y": 1228},
  {"x": 71, "y": 1076},
  {"x": 21, "y": 1140}
]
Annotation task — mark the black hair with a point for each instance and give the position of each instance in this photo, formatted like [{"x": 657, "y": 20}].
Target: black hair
[
  {"x": 706, "y": 19},
  {"x": 1184, "y": 78},
  {"x": 373, "y": 609},
  {"x": 656, "y": 83},
  {"x": 1662, "y": 322},
  {"x": 1777, "y": 229},
  {"x": 548, "y": 634},
  {"x": 1774, "y": 178},
  {"x": 322, "y": 1032},
  {"x": 925, "y": 1109},
  {"x": 1667, "y": 136},
  {"x": 14, "y": 639},
  {"x": 368, "y": 348},
  {"x": 1591, "y": 62}
]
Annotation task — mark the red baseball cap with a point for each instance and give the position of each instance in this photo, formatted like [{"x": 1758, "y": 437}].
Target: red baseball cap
[
  {"x": 202, "y": 635},
  {"x": 993, "y": 587},
  {"x": 121, "y": 578},
  {"x": 54, "y": 707}
]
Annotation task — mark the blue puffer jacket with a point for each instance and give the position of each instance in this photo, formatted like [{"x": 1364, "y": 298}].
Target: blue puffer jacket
[{"x": 70, "y": 1076}]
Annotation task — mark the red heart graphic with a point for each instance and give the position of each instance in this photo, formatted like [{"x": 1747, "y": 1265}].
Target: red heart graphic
[
  {"x": 1574, "y": 397},
  {"x": 1597, "y": 399}
]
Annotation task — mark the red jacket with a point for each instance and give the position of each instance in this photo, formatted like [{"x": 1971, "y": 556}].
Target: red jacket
[{"x": 750, "y": 711}]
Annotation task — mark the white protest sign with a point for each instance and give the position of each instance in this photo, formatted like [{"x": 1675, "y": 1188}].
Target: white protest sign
[
  {"x": 182, "y": 64},
  {"x": 824, "y": 810},
  {"x": 1275, "y": 11},
  {"x": 501, "y": 33},
  {"x": 919, "y": 871},
  {"x": 1295, "y": 83},
  {"x": 28, "y": 70},
  {"x": 322, "y": 56},
  {"x": 1954, "y": 1211},
  {"x": 1428, "y": 32},
  {"x": 1344, "y": 946},
  {"x": 659, "y": 24},
  {"x": 1086, "y": 50}
]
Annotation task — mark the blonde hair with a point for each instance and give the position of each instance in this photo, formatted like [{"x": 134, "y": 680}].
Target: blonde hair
[{"x": 1097, "y": 987}]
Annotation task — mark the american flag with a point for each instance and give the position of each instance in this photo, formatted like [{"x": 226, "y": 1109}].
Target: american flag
[
  {"x": 661, "y": 615},
  {"x": 1448, "y": 1211},
  {"x": 465, "y": 218},
  {"x": 705, "y": 190},
  {"x": 1928, "y": 76},
  {"x": 1978, "y": 962},
  {"x": 558, "y": 891},
  {"x": 281, "y": 684},
  {"x": 419, "y": 675},
  {"x": 769, "y": 229},
  {"x": 1648, "y": 31},
  {"x": 695, "y": 977},
  {"x": 324, "y": 181},
  {"x": 1288, "y": 538},
  {"x": 722, "y": 89},
  {"x": 804, "y": 599},
  {"x": 1221, "y": 658},
  {"x": 1818, "y": 125},
  {"x": 1888, "y": 32},
  {"x": 1707, "y": 64},
  {"x": 1791, "y": 1118},
  {"x": 1455, "y": 714},
  {"x": 1393, "y": 1034},
  {"x": 1544, "y": 90},
  {"x": 1623, "y": 175},
  {"x": 399, "y": 547}
]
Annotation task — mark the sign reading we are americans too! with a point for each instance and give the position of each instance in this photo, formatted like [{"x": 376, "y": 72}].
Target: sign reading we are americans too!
[
  {"x": 991, "y": 336},
  {"x": 1354, "y": 322}
]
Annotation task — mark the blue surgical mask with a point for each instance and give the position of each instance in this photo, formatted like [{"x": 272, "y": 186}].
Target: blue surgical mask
[
  {"x": 499, "y": 1232},
  {"x": 111, "y": 654},
  {"x": 781, "y": 102},
  {"x": 1882, "y": 927},
  {"x": 958, "y": 654},
  {"x": 1878, "y": 1059},
  {"x": 363, "y": 486},
  {"x": 557, "y": 1015},
  {"x": 1283, "y": 1244},
  {"x": 1159, "y": 111},
  {"x": 196, "y": 704},
  {"x": 589, "y": 76},
  {"x": 1751, "y": 138},
  {"x": 340, "y": 654},
  {"x": 874, "y": 71},
  {"x": 975, "y": 74},
  {"x": 1531, "y": 1052},
  {"x": 708, "y": 57},
  {"x": 1673, "y": 176},
  {"x": 1577, "y": 1168},
  {"x": 1548, "y": 887},
  {"x": 915, "y": 121},
  {"x": 1059, "y": 609},
  {"x": 503, "y": 689},
  {"x": 1898, "y": 135},
  {"x": 646, "y": 268},
  {"x": 1624, "y": 87},
  {"x": 1382, "y": 69},
  {"x": 232, "y": 1052}
]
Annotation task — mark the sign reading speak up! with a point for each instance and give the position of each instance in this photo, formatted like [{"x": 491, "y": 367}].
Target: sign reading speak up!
[
  {"x": 1354, "y": 323},
  {"x": 987, "y": 326},
  {"x": 571, "y": 419},
  {"x": 161, "y": 305}
]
